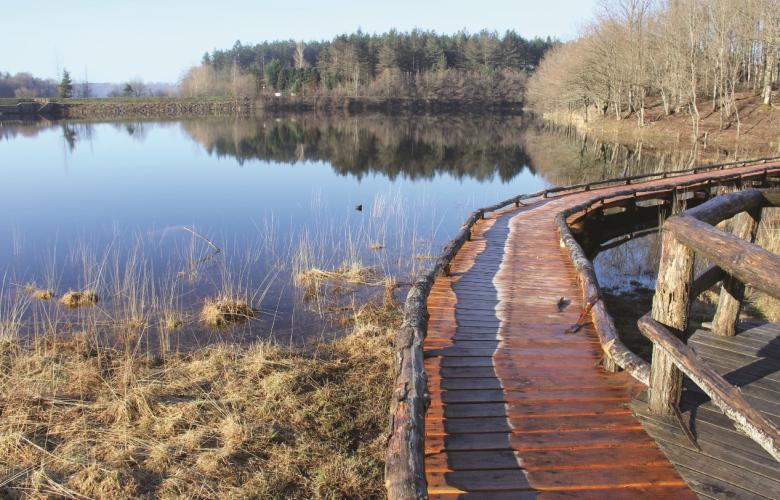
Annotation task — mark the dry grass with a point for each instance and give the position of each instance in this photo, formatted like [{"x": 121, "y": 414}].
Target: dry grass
[
  {"x": 38, "y": 293},
  {"x": 76, "y": 299},
  {"x": 258, "y": 421},
  {"x": 225, "y": 311},
  {"x": 172, "y": 320},
  {"x": 350, "y": 272},
  {"x": 769, "y": 238},
  {"x": 313, "y": 280}
]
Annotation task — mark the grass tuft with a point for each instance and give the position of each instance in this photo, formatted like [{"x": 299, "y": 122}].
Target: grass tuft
[
  {"x": 225, "y": 311},
  {"x": 76, "y": 299},
  {"x": 39, "y": 293}
]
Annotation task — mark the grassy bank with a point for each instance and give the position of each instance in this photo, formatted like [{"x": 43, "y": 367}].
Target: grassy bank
[
  {"x": 753, "y": 131},
  {"x": 82, "y": 419}
]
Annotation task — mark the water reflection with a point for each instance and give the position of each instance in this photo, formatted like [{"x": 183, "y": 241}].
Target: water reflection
[
  {"x": 277, "y": 196},
  {"x": 481, "y": 147},
  {"x": 417, "y": 147}
]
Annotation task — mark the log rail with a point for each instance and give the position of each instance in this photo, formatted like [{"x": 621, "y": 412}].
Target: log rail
[
  {"x": 738, "y": 262},
  {"x": 404, "y": 469}
]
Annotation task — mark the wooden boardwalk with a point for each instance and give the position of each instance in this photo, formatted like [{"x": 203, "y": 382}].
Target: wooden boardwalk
[
  {"x": 728, "y": 463},
  {"x": 520, "y": 408}
]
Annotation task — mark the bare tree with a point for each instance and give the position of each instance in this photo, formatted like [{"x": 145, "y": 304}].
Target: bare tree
[{"x": 300, "y": 57}]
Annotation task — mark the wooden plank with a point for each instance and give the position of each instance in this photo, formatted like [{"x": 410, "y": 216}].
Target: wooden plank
[
  {"x": 519, "y": 409},
  {"x": 620, "y": 493},
  {"x": 529, "y": 425},
  {"x": 735, "y": 352},
  {"x": 580, "y": 439},
  {"x": 508, "y": 372},
  {"x": 742, "y": 343},
  {"x": 741, "y": 469},
  {"x": 554, "y": 350},
  {"x": 751, "y": 391},
  {"x": 746, "y": 411},
  {"x": 548, "y": 395},
  {"x": 588, "y": 381},
  {"x": 482, "y": 480},
  {"x": 547, "y": 460},
  {"x": 712, "y": 487},
  {"x": 708, "y": 421},
  {"x": 744, "y": 364}
]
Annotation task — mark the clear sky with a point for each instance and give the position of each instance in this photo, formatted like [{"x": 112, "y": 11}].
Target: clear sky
[{"x": 157, "y": 40}]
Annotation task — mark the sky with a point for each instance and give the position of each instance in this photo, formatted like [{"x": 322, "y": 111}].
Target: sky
[{"x": 157, "y": 40}]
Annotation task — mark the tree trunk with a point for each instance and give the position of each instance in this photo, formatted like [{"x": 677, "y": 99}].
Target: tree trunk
[{"x": 768, "y": 76}]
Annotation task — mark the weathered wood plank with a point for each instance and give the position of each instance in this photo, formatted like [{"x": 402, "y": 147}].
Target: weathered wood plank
[
  {"x": 728, "y": 398},
  {"x": 726, "y": 446}
]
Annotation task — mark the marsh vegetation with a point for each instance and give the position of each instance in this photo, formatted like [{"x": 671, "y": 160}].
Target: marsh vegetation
[{"x": 205, "y": 308}]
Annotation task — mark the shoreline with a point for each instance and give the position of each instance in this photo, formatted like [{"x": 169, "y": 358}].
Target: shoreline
[
  {"x": 166, "y": 107},
  {"x": 757, "y": 132}
]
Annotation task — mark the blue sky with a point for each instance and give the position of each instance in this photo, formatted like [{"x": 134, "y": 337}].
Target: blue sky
[{"x": 157, "y": 40}]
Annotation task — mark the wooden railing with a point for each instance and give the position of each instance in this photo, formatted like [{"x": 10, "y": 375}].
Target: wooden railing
[
  {"x": 404, "y": 466},
  {"x": 737, "y": 261}
]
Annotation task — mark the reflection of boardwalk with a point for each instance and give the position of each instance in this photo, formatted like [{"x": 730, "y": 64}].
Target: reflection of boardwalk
[{"x": 518, "y": 406}]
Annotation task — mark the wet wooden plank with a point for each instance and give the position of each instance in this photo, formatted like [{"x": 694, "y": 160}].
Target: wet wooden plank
[{"x": 513, "y": 392}]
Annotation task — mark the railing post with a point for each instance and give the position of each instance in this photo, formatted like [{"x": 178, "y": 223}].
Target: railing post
[
  {"x": 732, "y": 291},
  {"x": 671, "y": 305}
]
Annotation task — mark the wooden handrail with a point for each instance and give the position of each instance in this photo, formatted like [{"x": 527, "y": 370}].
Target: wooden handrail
[
  {"x": 726, "y": 206},
  {"x": 404, "y": 467},
  {"x": 725, "y": 396},
  {"x": 746, "y": 261},
  {"x": 738, "y": 262},
  {"x": 706, "y": 280}
]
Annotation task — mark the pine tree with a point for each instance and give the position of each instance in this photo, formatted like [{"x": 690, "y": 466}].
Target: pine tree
[{"x": 66, "y": 85}]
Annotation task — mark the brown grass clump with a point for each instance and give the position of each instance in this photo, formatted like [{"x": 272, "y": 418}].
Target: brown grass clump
[
  {"x": 75, "y": 299},
  {"x": 224, "y": 311},
  {"x": 40, "y": 293},
  {"x": 312, "y": 280},
  {"x": 172, "y": 320},
  {"x": 259, "y": 421}
]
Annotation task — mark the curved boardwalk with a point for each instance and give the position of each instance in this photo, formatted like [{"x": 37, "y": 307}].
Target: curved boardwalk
[{"x": 520, "y": 408}]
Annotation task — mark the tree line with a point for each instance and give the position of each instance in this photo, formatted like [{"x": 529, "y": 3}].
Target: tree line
[
  {"x": 25, "y": 85},
  {"x": 420, "y": 64},
  {"x": 687, "y": 56}
]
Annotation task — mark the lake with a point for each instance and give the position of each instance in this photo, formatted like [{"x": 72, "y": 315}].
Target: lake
[{"x": 159, "y": 217}]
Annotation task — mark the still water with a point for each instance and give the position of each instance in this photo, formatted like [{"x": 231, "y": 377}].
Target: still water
[{"x": 158, "y": 217}]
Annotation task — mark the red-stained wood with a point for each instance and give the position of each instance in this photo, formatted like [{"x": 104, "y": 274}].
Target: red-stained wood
[{"x": 519, "y": 405}]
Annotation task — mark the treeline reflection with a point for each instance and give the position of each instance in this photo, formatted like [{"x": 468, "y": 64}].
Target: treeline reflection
[
  {"x": 481, "y": 147},
  {"x": 418, "y": 147}
]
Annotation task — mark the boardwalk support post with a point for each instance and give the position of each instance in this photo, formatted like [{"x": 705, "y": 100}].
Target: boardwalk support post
[
  {"x": 671, "y": 306},
  {"x": 732, "y": 291}
]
